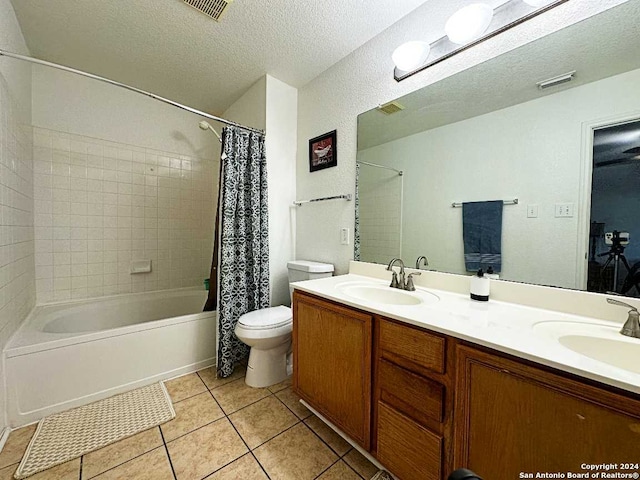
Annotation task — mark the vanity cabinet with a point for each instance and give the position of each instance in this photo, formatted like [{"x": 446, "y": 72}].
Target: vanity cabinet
[
  {"x": 332, "y": 363},
  {"x": 513, "y": 417},
  {"x": 413, "y": 400}
]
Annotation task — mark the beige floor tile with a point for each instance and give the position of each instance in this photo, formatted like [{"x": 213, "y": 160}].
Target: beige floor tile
[
  {"x": 205, "y": 450},
  {"x": 153, "y": 465},
  {"x": 245, "y": 468},
  {"x": 340, "y": 471},
  {"x": 331, "y": 438},
  {"x": 263, "y": 420},
  {"x": 6, "y": 473},
  {"x": 192, "y": 413},
  {"x": 280, "y": 386},
  {"x": 185, "y": 387},
  {"x": 16, "y": 445},
  {"x": 236, "y": 395},
  {"x": 292, "y": 401},
  {"x": 364, "y": 467},
  {"x": 297, "y": 454},
  {"x": 208, "y": 376},
  {"x": 66, "y": 471},
  {"x": 112, "y": 455}
]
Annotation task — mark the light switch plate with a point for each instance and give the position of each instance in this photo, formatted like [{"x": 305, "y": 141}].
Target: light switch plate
[
  {"x": 532, "y": 211},
  {"x": 564, "y": 210},
  {"x": 344, "y": 236}
]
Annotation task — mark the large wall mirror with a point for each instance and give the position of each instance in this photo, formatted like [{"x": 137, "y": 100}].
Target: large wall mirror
[{"x": 569, "y": 154}]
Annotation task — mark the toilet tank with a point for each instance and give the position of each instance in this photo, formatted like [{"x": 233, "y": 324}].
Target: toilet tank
[{"x": 307, "y": 270}]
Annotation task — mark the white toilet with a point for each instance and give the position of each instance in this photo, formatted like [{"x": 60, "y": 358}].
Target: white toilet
[{"x": 268, "y": 331}]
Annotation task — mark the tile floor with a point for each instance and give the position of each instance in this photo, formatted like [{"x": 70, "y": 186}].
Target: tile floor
[{"x": 223, "y": 430}]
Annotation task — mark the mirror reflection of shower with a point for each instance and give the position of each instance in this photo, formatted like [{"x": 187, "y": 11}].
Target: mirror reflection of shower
[{"x": 380, "y": 190}]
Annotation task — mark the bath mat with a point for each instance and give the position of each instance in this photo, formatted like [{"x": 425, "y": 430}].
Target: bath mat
[
  {"x": 71, "y": 434},
  {"x": 382, "y": 475}
]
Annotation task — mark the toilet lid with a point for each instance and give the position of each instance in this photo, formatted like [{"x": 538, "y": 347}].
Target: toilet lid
[{"x": 266, "y": 318}]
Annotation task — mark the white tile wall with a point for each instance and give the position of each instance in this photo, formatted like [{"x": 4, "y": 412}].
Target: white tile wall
[
  {"x": 100, "y": 205},
  {"x": 17, "y": 287},
  {"x": 380, "y": 193}
]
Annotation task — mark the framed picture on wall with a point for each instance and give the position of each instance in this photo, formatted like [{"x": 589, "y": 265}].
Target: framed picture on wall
[{"x": 323, "y": 152}]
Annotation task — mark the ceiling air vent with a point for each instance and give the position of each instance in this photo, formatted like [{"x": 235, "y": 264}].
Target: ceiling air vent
[
  {"x": 214, "y": 8},
  {"x": 391, "y": 108}
]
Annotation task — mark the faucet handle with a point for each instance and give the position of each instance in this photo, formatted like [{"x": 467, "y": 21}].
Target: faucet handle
[
  {"x": 410, "y": 286},
  {"x": 622, "y": 304},
  {"x": 394, "y": 280}
]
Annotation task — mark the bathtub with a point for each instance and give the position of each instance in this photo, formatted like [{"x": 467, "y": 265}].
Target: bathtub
[{"x": 71, "y": 354}]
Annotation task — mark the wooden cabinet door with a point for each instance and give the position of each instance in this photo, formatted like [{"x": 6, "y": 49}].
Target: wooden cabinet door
[
  {"x": 513, "y": 418},
  {"x": 332, "y": 363}
]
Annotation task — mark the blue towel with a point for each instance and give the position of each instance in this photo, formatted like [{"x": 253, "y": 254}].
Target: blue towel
[{"x": 482, "y": 234}]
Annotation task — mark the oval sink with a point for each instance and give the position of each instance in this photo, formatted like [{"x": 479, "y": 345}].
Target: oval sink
[
  {"x": 598, "y": 341},
  {"x": 388, "y": 296}
]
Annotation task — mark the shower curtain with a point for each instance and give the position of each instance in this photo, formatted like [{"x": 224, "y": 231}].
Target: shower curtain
[{"x": 243, "y": 239}]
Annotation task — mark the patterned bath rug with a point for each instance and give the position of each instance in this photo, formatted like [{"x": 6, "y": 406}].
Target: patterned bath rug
[{"x": 71, "y": 434}]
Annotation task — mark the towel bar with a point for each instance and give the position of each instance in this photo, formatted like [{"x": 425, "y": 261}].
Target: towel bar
[{"x": 506, "y": 202}]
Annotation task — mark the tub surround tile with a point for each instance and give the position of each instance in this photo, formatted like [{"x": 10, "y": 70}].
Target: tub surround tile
[
  {"x": 120, "y": 452},
  {"x": 205, "y": 450},
  {"x": 340, "y": 471},
  {"x": 263, "y": 420},
  {"x": 209, "y": 377},
  {"x": 184, "y": 387},
  {"x": 16, "y": 445},
  {"x": 291, "y": 400},
  {"x": 192, "y": 413},
  {"x": 153, "y": 465},
  {"x": 245, "y": 468},
  {"x": 360, "y": 464},
  {"x": 331, "y": 438},
  {"x": 296, "y": 454},
  {"x": 236, "y": 395}
]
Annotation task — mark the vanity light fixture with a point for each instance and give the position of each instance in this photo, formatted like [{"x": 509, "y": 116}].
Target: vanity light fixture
[
  {"x": 466, "y": 28},
  {"x": 555, "y": 81},
  {"x": 469, "y": 23},
  {"x": 410, "y": 55}
]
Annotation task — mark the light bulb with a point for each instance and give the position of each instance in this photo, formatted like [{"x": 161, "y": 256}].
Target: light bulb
[
  {"x": 410, "y": 55},
  {"x": 469, "y": 23}
]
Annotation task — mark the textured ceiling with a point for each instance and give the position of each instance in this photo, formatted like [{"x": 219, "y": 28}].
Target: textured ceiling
[
  {"x": 598, "y": 47},
  {"x": 168, "y": 48}
]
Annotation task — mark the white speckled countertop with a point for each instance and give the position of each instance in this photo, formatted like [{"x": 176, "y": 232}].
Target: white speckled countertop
[{"x": 505, "y": 327}]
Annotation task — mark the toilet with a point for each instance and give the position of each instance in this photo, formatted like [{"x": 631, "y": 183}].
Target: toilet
[{"x": 268, "y": 331}]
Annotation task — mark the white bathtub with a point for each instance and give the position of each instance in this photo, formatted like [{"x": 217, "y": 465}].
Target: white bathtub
[{"x": 71, "y": 354}]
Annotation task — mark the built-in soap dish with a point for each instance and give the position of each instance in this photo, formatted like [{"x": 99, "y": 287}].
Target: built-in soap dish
[{"x": 140, "y": 266}]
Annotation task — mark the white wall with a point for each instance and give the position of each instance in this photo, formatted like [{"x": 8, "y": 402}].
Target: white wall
[
  {"x": 530, "y": 151},
  {"x": 118, "y": 177},
  {"x": 363, "y": 80},
  {"x": 17, "y": 285},
  {"x": 271, "y": 105}
]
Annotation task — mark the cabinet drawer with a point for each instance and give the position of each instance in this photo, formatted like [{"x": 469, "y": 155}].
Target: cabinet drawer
[
  {"x": 411, "y": 394},
  {"x": 408, "y": 450},
  {"x": 411, "y": 348}
]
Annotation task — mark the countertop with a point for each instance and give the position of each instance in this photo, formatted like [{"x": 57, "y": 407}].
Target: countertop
[{"x": 506, "y": 327}]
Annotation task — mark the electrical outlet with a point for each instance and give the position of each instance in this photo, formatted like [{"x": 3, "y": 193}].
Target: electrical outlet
[
  {"x": 532, "y": 211},
  {"x": 344, "y": 236},
  {"x": 564, "y": 210}
]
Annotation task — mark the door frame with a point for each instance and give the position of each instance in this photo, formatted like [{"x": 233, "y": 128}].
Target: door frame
[{"x": 586, "y": 183}]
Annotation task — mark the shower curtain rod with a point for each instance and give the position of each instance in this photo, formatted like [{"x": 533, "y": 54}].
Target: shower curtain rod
[
  {"x": 399, "y": 172},
  {"x": 37, "y": 61}
]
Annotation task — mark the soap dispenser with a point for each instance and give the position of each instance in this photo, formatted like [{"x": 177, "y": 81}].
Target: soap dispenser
[
  {"x": 491, "y": 274},
  {"x": 480, "y": 287}
]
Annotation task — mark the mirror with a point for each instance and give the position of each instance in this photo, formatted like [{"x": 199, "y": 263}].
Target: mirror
[{"x": 569, "y": 154}]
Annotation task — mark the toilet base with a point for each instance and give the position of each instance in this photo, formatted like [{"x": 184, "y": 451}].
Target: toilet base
[{"x": 267, "y": 367}]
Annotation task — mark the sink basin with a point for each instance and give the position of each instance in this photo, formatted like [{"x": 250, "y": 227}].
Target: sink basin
[
  {"x": 598, "y": 341},
  {"x": 387, "y": 295}
]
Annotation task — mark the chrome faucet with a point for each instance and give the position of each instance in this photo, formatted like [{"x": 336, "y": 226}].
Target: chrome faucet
[
  {"x": 421, "y": 259},
  {"x": 395, "y": 282},
  {"x": 631, "y": 327},
  {"x": 409, "y": 285}
]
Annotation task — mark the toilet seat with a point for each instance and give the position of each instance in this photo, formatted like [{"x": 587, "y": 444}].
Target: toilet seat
[{"x": 266, "y": 318}]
